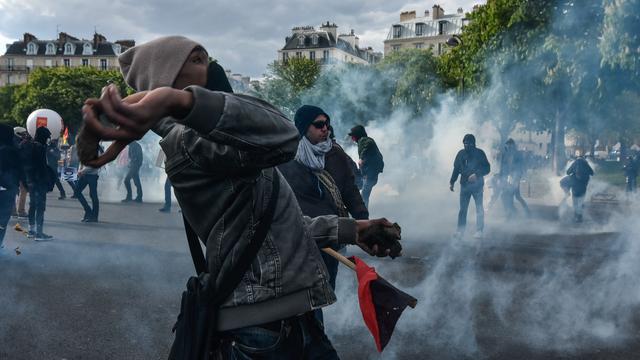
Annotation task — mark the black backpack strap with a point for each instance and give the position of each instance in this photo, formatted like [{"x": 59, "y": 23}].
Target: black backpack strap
[{"x": 194, "y": 247}]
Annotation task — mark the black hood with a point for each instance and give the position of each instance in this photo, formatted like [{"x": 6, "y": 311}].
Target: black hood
[{"x": 42, "y": 135}]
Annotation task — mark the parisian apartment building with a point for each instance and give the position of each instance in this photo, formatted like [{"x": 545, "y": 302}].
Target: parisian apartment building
[
  {"x": 326, "y": 46},
  {"x": 24, "y": 55},
  {"x": 428, "y": 30}
]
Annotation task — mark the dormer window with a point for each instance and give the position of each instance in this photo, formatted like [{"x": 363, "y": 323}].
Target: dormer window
[
  {"x": 32, "y": 49},
  {"x": 87, "y": 49},
  {"x": 301, "y": 40},
  {"x": 117, "y": 49},
  {"x": 420, "y": 29},
  {"x": 51, "y": 49},
  {"x": 397, "y": 31},
  {"x": 68, "y": 49},
  {"x": 314, "y": 39}
]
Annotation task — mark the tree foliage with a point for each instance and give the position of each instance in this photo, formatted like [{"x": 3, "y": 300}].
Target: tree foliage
[{"x": 61, "y": 89}]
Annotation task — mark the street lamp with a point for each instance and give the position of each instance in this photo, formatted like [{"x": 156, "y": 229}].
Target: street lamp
[{"x": 455, "y": 41}]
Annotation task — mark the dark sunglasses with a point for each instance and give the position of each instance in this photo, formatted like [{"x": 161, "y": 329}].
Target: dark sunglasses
[{"x": 320, "y": 124}]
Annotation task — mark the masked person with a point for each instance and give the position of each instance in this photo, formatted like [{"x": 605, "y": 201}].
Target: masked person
[
  {"x": 40, "y": 180},
  {"x": 471, "y": 165},
  {"x": 371, "y": 161},
  {"x": 88, "y": 176},
  {"x": 314, "y": 187},
  {"x": 221, "y": 149},
  {"x": 11, "y": 174},
  {"x": 579, "y": 174},
  {"x": 631, "y": 174}
]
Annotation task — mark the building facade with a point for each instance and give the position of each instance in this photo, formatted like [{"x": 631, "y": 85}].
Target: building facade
[
  {"x": 25, "y": 55},
  {"x": 430, "y": 31},
  {"x": 325, "y": 46}
]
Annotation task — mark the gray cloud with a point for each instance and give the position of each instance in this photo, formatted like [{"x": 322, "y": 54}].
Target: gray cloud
[{"x": 243, "y": 35}]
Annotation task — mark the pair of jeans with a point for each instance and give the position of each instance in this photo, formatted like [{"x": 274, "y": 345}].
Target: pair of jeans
[
  {"x": 466, "y": 192},
  {"x": 37, "y": 206},
  {"x": 167, "y": 194},
  {"x": 301, "y": 337},
  {"x": 370, "y": 180},
  {"x": 631, "y": 184},
  {"x": 578, "y": 206},
  {"x": 90, "y": 212},
  {"x": 133, "y": 174},
  {"x": 7, "y": 199}
]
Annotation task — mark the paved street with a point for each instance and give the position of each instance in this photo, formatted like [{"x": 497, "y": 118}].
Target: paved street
[{"x": 111, "y": 291}]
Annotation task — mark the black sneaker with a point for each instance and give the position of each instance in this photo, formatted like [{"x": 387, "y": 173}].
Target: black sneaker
[
  {"x": 165, "y": 210},
  {"x": 62, "y": 197},
  {"x": 126, "y": 200},
  {"x": 43, "y": 237},
  {"x": 138, "y": 200},
  {"x": 31, "y": 234},
  {"x": 91, "y": 220}
]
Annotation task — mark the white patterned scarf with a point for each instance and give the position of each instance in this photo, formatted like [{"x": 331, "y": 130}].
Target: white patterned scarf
[{"x": 312, "y": 156}]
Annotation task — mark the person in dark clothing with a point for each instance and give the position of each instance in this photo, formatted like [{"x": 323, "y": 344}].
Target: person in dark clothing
[
  {"x": 53, "y": 156},
  {"x": 22, "y": 140},
  {"x": 471, "y": 165},
  {"x": 11, "y": 175},
  {"x": 579, "y": 174},
  {"x": 135, "y": 163},
  {"x": 371, "y": 160},
  {"x": 314, "y": 187},
  {"x": 512, "y": 168},
  {"x": 345, "y": 172},
  {"x": 39, "y": 181},
  {"x": 167, "y": 197},
  {"x": 631, "y": 174}
]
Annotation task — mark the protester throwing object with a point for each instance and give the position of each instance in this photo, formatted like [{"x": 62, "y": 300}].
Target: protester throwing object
[{"x": 221, "y": 151}]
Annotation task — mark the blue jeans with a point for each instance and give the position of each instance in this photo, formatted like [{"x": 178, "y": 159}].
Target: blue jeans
[
  {"x": 466, "y": 192},
  {"x": 90, "y": 212},
  {"x": 167, "y": 194},
  {"x": 300, "y": 337},
  {"x": 7, "y": 200},
  {"x": 37, "y": 206},
  {"x": 631, "y": 184},
  {"x": 370, "y": 180}
]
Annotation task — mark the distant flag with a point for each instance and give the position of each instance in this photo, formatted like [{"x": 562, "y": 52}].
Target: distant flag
[
  {"x": 381, "y": 303},
  {"x": 65, "y": 136}
]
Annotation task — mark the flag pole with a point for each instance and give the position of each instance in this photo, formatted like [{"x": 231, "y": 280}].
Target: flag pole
[{"x": 340, "y": 258}]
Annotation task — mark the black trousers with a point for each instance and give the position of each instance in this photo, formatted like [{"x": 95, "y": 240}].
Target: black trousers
[
  {"x": 167, "y": 194},
  {"x": 91, "y": 180},
  {"x": 134, "y": 173}
]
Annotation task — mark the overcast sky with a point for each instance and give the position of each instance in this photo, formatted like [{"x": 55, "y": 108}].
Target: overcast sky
[{"x": 244, "y": 35}]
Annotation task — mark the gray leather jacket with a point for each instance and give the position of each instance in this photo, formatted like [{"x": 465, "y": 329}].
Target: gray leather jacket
[{"x": 216, "y": 161}]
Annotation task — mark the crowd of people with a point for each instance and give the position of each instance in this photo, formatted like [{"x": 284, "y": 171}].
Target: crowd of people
[
  {"x": 31, "y": 167},
  {"x": 224, "y": 153}
]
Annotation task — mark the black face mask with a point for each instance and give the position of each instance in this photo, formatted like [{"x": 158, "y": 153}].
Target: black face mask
[{"x": 217, "y": 78}]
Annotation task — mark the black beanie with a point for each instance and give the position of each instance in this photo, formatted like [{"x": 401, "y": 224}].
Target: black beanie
[
  {"x": 305, "y": 116},
  {"x": 469, "y": 138}
]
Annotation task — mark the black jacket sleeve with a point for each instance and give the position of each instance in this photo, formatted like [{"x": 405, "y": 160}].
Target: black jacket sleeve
[{"x": 457, "y": 167}]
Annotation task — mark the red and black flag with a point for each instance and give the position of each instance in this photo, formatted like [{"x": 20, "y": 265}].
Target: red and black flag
[{"x": 380, "y": 302}]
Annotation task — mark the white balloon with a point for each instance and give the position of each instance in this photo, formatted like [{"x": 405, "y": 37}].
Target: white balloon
[{"x": 45, "y": 117}]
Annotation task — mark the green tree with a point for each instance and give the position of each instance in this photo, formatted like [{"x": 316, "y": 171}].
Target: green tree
[
  {"x": 417, "y": 83},
  {"x": 300, "y": 73},
  {"x": 63, "y": 90},
  {"x": 7, "y": 99}
]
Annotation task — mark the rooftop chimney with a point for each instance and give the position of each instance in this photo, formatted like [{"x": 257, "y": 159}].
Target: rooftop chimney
[
  {"x": 407, "y": 15},
  {"x": 438, "y": 12},
  {"x": 460, "y": 11},
  {"x": 331, "y": 29},
  {"x": 426, "y": 13},
  {"x": 28, "y": 37}
]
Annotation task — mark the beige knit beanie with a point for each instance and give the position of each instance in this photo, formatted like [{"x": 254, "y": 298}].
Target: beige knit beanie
[{"x": 156, "y": 63}]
